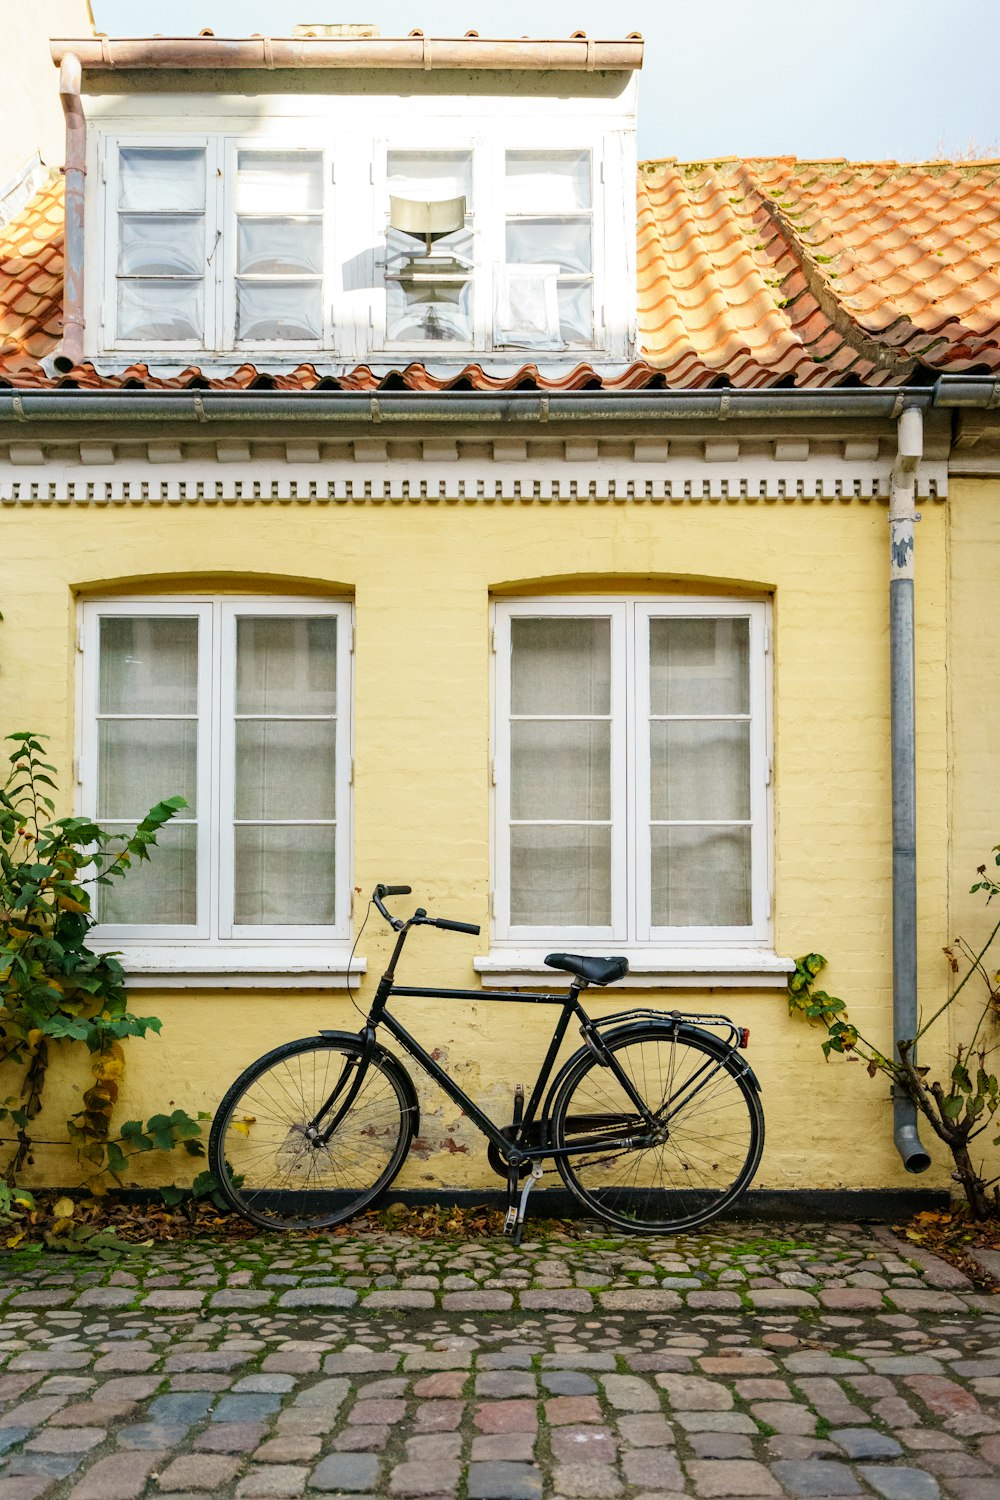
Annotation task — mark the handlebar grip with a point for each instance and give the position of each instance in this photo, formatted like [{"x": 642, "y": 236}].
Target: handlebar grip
[
  {"x": 395, "y": 890},
  {"x": 456, "y": 926}
]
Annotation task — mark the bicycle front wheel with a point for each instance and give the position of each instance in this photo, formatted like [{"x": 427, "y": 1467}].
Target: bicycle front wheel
[
  {"x": 262, "y": 1151},
  {"x": 700, "y": 1158}
]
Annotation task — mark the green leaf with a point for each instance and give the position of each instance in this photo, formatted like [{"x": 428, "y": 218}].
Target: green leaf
[
  {"x": 952, "y": 1106},
  {"x": 117, "y": 1160}
]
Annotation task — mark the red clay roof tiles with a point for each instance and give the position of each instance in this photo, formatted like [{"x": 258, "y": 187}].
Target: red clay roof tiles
[{"x": 750, "y": 272}]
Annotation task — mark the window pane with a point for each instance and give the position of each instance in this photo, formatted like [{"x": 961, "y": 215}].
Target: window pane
[
  {"x": 699, "y": 666},
  {"x": 561, "y": 242},
  {"x": 270, "y": 182},
  {"x": 700, "y": 769},
  {"x": 429, "y": 176},
  {"x": 700, "y": 877},
  {"x": 161, "y": 245},
  {"x": 560, "y": 877},
  {"x": 286, "y": 768},
  {"x": 526, "y": 306},
  {"x": 435, "y": 313},
  {"x": 160, "y": 891},
  {"x": 560, "y": 665},
  {"x": 286, "y": 665},
  {"x": 560, "y": 769},
  {"x": 576, "y": 313},
  {"x": 148, "y": 666},
  {"x": 160, "y": 180},
  {"x": 284, "y": 876},
  {"x": 161, "y": 310},
  {"x": 279, "y": 310},
  {"x": 275, "y": 246},
  {"x": 541, "y": 182},
  {"x": 142, "y": 761}
]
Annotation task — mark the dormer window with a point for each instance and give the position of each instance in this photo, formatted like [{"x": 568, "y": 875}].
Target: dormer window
[{"x": 261, "y": 245}]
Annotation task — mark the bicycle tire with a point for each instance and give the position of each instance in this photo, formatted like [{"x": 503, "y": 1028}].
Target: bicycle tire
[
  {"x": 267, "y": 1168},
  {"x": 711, "y": 1147}
]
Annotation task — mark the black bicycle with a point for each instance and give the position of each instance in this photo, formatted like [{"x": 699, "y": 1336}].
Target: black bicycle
[{"x": 655, "y": 1123}]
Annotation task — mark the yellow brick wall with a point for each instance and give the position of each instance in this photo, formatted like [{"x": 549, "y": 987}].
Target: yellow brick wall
[
  {"x": 974, "y": 738},
  {"x": 422, "y": 576}
]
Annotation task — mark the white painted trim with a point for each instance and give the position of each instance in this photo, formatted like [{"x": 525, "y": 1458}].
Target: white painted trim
[
  {"x": 630, "y": 757},
  {"x": 415, "y": 472},
  {"x": 654, "y": 969},
  {"x": 216, "y": 749},
  {"x": 237, "y": 965}
]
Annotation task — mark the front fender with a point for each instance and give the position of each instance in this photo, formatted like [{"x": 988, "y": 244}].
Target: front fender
[{"x": 391, "y": 1063}]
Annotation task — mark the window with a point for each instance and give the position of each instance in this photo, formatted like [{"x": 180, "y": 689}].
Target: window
[
  {"x": 631, "y": 772},
  {"x": 515, "y": 271},
  {"x": 243, "y": 708},
  {"x": 545, "y": 288},
  {"x": 279, "y": 246},
  {"x": 160, "y": 270},
  {"x": 429, "y": 262},
  {"x": 200, "y": 265},
  {"x": 262, "y": 244}
]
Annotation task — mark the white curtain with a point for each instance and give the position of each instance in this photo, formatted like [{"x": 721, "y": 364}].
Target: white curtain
[
  {"x": 560, "y": 773},
  {"x": 149, "y": 666},
  {"x": 286, "y": 804},
  {"x": 699, "y": 744}
]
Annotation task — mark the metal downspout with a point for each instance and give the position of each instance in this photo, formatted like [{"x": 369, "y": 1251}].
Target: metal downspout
[
  {"x": 902, "y": 516},
  {"x": 70, "y": 76}
]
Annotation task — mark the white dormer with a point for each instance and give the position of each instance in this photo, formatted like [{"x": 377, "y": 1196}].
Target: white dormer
[{"x": 372, "y": 213}]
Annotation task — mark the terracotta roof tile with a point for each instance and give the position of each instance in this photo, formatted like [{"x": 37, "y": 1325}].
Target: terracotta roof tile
[{"x": 749, "y": 271}]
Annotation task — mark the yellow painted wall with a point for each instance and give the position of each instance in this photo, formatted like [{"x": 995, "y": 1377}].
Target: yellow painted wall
[
  {"x": 974, "y": 738},
  {"x": 422, "y": 576}
]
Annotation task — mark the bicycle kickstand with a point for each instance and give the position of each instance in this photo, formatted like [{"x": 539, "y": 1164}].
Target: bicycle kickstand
[{"x": 529, "y": 1182}]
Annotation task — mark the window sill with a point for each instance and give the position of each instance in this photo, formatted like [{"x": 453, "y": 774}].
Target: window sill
[
  {"x": 649, "y": 969},
  {"x": 292, "y": 966}
]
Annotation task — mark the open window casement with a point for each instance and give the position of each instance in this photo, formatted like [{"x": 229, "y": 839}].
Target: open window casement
[{"x": 526, "y": 307}]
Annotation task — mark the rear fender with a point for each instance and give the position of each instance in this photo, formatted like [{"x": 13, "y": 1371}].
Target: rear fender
[{"x": 637, "y": 1029}]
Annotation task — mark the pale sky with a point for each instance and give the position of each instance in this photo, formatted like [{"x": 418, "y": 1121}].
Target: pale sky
[{"x": 867, "y": 79}]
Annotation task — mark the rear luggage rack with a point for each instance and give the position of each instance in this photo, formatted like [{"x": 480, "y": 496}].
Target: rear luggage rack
[{"x": 737, "y": 1036}]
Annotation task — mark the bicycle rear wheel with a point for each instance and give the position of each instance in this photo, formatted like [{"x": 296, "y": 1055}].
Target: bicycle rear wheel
[
  {"x": 707, "y": 1146},
  {"x": 263, "y": 1159}
]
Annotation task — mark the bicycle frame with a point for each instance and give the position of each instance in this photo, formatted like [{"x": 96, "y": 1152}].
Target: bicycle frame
[{"x": 514, "y": 1152}]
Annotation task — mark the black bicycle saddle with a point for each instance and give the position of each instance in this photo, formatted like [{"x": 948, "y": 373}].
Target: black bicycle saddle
[{"x": 584, "y": 966}]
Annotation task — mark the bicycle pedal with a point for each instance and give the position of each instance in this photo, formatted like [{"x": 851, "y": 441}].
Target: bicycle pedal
[{"x": 510, "y": 1222}]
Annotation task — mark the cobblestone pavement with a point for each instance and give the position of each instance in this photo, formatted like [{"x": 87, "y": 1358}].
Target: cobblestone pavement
[{"x": 747, "y": 1361}]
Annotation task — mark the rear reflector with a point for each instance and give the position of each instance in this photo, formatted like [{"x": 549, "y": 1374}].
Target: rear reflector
[{"x": 744, "y": 1036}]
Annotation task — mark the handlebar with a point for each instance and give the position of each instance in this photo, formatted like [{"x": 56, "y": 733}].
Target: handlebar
[{"x": 420, "y": 917}]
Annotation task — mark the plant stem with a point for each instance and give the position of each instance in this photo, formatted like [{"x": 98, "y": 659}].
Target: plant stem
[{"x": 957, "y": 991}]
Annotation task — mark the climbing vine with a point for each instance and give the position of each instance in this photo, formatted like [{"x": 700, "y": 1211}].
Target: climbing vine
[
  {"x": 55, "y": 991},
  {"x": 959, "y": 1106}
]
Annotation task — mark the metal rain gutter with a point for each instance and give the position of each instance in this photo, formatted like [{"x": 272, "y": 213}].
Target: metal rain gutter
[
  {"x": 493, "y": 406},
  {"x": 417, "y": 51}
]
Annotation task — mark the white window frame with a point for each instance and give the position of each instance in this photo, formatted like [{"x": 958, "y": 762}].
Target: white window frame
[
  {"x": 631, "y": 925},
  {"x": 432, "y": 145},
  {"x": 595, "y": 218},
  {"x": 229, "y": 247},
  {"x": 354, "y": 316},
  {"x": 214, "y": 927},
  {"x": 489, "y": 236},
  {"x": 164, "y": 141}
]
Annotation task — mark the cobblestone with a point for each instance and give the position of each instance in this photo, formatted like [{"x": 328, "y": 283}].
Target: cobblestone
[{"x": 745, "y": 1361}]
